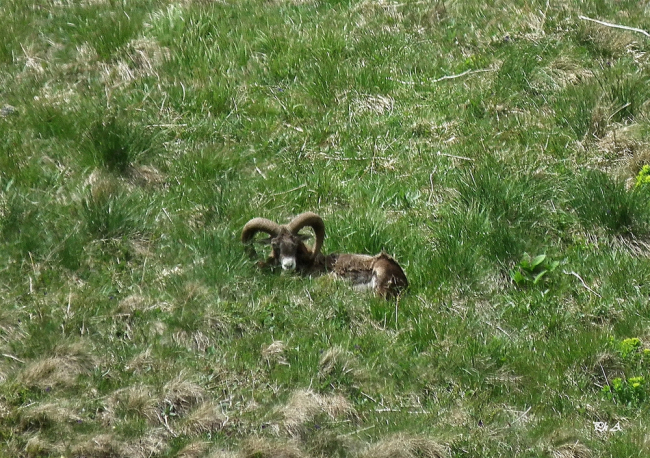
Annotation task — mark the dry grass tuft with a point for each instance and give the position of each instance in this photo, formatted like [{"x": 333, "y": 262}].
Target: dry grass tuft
[
  {"x": 100, "y": 183},
  {"x": 110, "y": 446},
  {"x": 5, "y": 410},
  {"x": 134, "y": 400},
  {"x": 291, "y": 2},
  {"x": 193, "y": 291},
  {"x": 262, "y": 448},
  {"x": 337, "y": 360},
  {"x": 101, "y": 446},
  {"x": 222, "y": 453},
  {"x": 154, "y": 443},
  {"x": 567, "y": 71},
  {"x": 197, "y": 217},
  {"x": 375, "y": 104},
  {"x": 144, "y": 56},
  {"x": 506, "y": 378},
  {"x": 274, "y": 354},
  {"x": 143, "y": 362},
  {"x": 53, "y": 96},
  {"x": 429, "y": 17},
  {"x": 607, "y": 367},
  {"x": 607, "y": 41},
  {"x": 47, "y": 414},
  {"x": 193, "y": 341},
  {"x": 216, "y": 322},
  {"x": 599, "y": 124},
  {"x": 630, "y": 244},
  {"x": 181, "y": 396},
  {"x": 576, "y": 450},
  {"x": 305, "y": 406},
  {"x": 101, "y": 186},
  {"x": 194, "y": 450},
  {"x": 626, "y": 146},
  {"x": 157, "y": 328},
  {"x": 3, "y": 376},
  {"x": 206, "y": 418},
  {"x": 146, "y": 176},
  {"x": 561, "y": 73},
  {"x": 62, "y": 369},
  {"x": 624, "y": 142},
  {"x": 84, "y": 61},
  {"x": 368, "y": 10},
  {"x": 31, "y": 61},
  {"x": 131, "y": 304},
  {"x": 38, "y": 446},
  {"x": 404, "y": 446},
  {"x": 76, "y": 351}
]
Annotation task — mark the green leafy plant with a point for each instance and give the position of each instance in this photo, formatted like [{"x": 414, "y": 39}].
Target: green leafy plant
[
  {"x": 643, "y": 177},
  {"x": 629, "y": 346},
  {"x": 630, "y": 392},
  {"x": 629, "y": 349},
  {"x": 531, "y": 270}
]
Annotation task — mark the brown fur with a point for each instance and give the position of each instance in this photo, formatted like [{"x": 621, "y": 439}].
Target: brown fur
[{"x": 389, "y": 278}]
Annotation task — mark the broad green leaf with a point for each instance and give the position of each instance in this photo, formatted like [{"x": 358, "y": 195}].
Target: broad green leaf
[
  {"x": 539, "y": 277},
  {"x": 538, "y": 260},
  {"x": 518, "y": 277}
]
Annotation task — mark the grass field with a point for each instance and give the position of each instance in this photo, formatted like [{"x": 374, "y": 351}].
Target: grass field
[{"x": 496, "y": 150}]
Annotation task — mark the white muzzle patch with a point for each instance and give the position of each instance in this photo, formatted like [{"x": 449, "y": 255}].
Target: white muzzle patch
[{"x": 288, "y": 263}]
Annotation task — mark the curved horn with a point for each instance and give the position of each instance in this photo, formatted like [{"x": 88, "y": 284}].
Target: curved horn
[
  {"x": 259, "y": 225},
  {"x": 315, "y": 222}
]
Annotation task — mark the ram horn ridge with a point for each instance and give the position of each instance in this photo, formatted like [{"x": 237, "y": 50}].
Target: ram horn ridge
[
  {"x": 310, "y": 219},
  {"x": 259, "y": 225}
]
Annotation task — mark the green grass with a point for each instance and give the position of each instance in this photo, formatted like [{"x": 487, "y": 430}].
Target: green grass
[{"x": 459, "y": 137}]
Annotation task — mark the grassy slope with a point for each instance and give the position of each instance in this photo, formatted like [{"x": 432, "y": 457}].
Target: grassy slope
[{"x": 146, "y": 134}]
